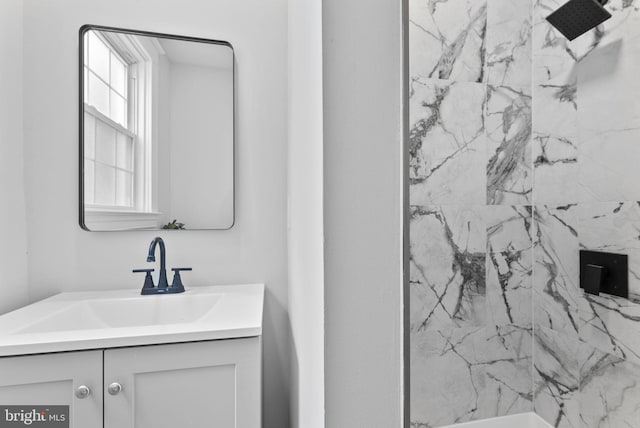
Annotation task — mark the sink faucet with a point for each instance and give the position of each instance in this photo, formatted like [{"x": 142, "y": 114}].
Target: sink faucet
[
  {"x": 151, "y": 257},
  {"x": 163, "y": 286}
]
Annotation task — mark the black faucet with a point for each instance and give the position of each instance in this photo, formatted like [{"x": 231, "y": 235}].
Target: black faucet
[
  {"x": 151, "y": 257},
  {"x": 163, "y": 286}
]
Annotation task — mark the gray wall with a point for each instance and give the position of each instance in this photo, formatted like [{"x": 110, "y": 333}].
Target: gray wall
[
  {"x": 363, "y": 127},
  {"x": 13, "y": 234},
  {"x": 306, "y": 234}
]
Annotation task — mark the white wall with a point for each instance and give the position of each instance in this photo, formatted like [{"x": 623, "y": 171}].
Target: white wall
[
  {"x": 201, "y": 156},
  {"x": 363, "y": 127},
  {"x": 64, "y": 257},
  {"x": 306, "y": 276},
  {"x": 161, "y": 137},
  {"x": 13, "y": 233}
]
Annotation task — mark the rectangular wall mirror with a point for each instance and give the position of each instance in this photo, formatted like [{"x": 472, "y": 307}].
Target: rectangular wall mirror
[{"x": 156, "y": 131}]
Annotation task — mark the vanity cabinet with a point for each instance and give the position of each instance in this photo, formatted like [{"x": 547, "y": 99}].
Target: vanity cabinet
[
  {"x": 204, "y": 384},
  {"x": 51, "y": 380},
  {"x": 212, "y": 384}
]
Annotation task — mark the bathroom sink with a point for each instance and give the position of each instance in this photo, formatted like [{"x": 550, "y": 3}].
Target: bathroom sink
[
  {"x": 162, "y": 310},
  {"x": 90, "y": 320},
  {"x": 126, "y": 312}
]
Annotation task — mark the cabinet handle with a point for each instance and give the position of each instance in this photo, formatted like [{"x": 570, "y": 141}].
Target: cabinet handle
[
  {"x": 83, "y": 391},
  {"x": 114, "y": 388}
]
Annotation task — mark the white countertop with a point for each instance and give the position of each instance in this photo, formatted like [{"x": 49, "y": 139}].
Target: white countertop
[{"x": 115, "y": 318}]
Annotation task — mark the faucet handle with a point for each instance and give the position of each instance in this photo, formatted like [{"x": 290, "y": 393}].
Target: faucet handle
[
  {"x": 148, "y": 280},
  {"x": 177, "y": 280}
]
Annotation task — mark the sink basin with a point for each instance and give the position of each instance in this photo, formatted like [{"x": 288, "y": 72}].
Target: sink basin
[
  {"x": 131, "y": 312},
  {"x": 90, "y": 320},
  {"x": 169, "y": 309}
]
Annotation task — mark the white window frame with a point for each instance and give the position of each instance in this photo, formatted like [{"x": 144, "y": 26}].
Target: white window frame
[
  {"x": 139, "y": 110},
  {"x": 119, "y": 130}
]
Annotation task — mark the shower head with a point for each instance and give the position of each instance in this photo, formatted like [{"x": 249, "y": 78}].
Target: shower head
[{"x": 576, "y": 17}]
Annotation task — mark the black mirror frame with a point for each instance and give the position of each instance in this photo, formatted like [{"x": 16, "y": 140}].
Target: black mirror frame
[{"x": 83, "y": 29}]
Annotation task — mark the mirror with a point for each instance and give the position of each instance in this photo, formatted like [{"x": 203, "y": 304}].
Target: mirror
[{"x": 156, "y": 131}]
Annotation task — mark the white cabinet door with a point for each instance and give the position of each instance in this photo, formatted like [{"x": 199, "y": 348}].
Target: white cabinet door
[
  {"x": 52, "y": 380},
  {"x": 213, "y": 384}
]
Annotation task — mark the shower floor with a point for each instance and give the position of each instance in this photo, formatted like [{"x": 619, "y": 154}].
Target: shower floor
[{"x": 524, "y": 420}]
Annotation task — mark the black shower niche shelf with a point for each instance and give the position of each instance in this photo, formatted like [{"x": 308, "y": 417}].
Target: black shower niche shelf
[{"x": 606, "y": 273}]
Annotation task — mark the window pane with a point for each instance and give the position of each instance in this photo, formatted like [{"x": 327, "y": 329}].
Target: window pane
[
  {"x": 89, "y": 181},
  {"x": 89, "y": 136},
  {"x": 118, "y": 112},
  {"x": 118, "y": 75},
  {"x": 123, "y": 192},
  {"x": 98, "y": 94},
  {"x": 124, "y": 149},
  {"x": 86, "y": 84},
  {"x": 105, "y": 185},
  {"x": 105, "y": 144},
  {"x": 98, "y": 56}
]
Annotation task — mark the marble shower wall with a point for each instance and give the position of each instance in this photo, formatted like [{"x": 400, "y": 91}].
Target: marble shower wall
[
  {"x": 586, "y": 126},
  {"x": 524, "y": 149},
  {"x": 471, "y": 174}
]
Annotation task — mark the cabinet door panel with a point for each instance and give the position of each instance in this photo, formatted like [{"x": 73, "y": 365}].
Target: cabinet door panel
[
  {"x": 190, "y": 385},
  {"x": 51, "y": 380}
]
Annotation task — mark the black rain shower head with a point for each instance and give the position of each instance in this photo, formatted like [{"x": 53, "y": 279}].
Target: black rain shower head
[{"x": 577, "y": 17}]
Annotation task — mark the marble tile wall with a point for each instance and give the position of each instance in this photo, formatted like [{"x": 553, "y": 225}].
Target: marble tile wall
[
  {"x": 524, "y": 149},
  {"x": 586, "y": 125},
  {"x": 471, "y": 195}
]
